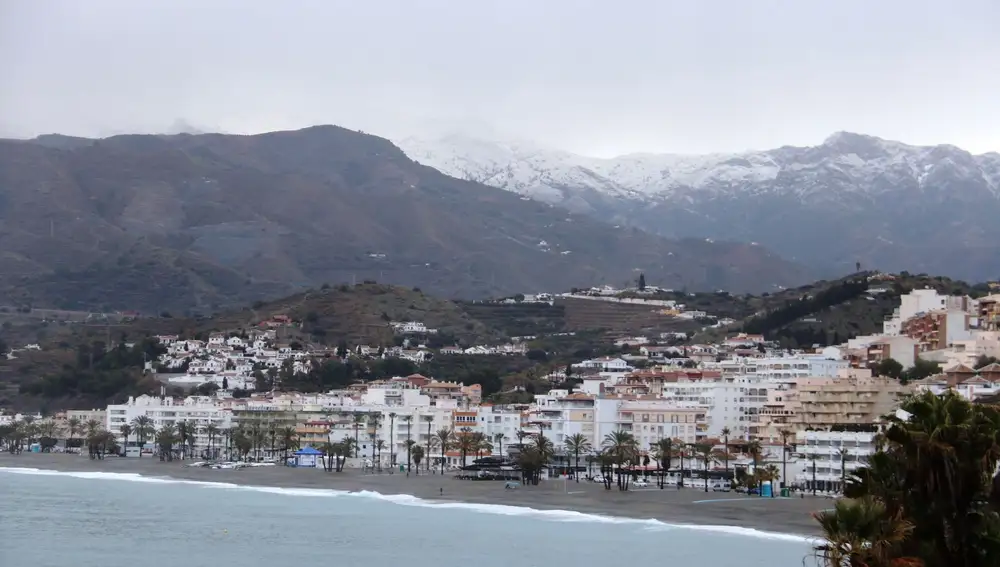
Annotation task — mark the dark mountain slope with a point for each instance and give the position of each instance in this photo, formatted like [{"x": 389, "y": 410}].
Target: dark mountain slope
[{"x": 202, "y": 222}]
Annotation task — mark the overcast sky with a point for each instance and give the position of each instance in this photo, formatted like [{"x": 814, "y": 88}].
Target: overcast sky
[{"x": 595, "y": 77}]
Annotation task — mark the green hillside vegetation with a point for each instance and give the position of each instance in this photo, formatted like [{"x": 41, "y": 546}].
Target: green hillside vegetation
[
  {"x": 830, "y": 312},
  {"x": 518, "y": 319}
]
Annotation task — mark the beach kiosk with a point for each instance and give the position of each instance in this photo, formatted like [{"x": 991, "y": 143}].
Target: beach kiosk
[{"x": 307, "y": 457}]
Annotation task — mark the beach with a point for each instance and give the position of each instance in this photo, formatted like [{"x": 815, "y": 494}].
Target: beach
[{"x": 689, "y": 505}]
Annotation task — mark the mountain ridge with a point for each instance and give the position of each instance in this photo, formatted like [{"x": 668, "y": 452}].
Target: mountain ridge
[
  {"x": 851, "y": 185},
  {"x": 202, "y": 222}
]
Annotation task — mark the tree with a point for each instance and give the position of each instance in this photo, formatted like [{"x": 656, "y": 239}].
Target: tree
[
  {"x": 417, "y": 454},
  {"x": 359, "y": 420},
  {"x": 166, "y": 438},
  {"x": 642, "y": 282},
  {"x": 706, "y": 454},
  {"x": 889, "y": 367},
  {"x": 408, "y": 420},
  {"x": 465, "y": 442},
  {"x": 499, "y": 438},
  {"x": 429, "y": 420},
  {"x": 575, "y": 445},
  {"x": 392, "y": 441},
  {"x": 756, "y": 450},
  {"x": 444, "y": 439},
  {"x": 921, "y": 369},
  {"x": 621, "y": 446},
  {"x": 289, "y": 441},
  {"x": 665, "y": 453},
  {"x": 725, "y": 450},
  {"x": 212, "y": 430},
  {"x": 125, "y": 430},
  {"x": 935, "y": 470},
  {"x": 862, "y": 533},
  {"x": 984, "y": 360},
  {"x": 143, "y": 428},
  {"x": 73, "y": 424}
]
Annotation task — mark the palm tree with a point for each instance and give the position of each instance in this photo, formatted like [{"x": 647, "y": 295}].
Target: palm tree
[
  {"x": 185, "y": 436},
  {"x": 166, "y": 437},
  {"x": 725, "y": 448},
  {"x": 465, "y": 442},
  {"x": 212, "y": 430},
  {"x": 289, "y": 440},
  {"x": 706, "y": 453},
  {"x": 620, "y": 446},
  {"x": 429, "y": 419},
  {"x": 359, "y": 420},
  {"x": 843, "y": 468},
  {"x": 444, "y": 439},
  {"x": 785, "y": 434},
  {"x": 374, "y": 420},
  {"x": 664, "y": 453},
  {"x": 521, "y": 434},
  {"x": 92, "y": 426},
  {"x": 576, "y": 444},
  {"x": 73, "y": 424},
  {"x": 417, "y": 454},
  {"x": 329, "y": 455},
  {"x": 482, "y": 444},
  {"x": 861, "y": 533},
  {"x": 935, "y": 467},
  {"x": 125, "y": 430},
  {"x": 499, "y": 438},
  {"x": 392, "y": 440},
  {"x": 408, "y": 420},
  {"x": 771, "y": 474},
  {"x": 143, "y": 427},
  {"x": 755, "y": 449},
  {"x": 813, "y": 457}
]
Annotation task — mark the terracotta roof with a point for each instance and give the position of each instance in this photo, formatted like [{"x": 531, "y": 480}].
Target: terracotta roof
[
  {"x": 992, "y": 367},
  {"x": 959, "y": 369}
]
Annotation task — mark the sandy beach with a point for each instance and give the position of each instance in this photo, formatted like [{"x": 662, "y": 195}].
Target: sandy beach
[{"x": 679, "y": 506}]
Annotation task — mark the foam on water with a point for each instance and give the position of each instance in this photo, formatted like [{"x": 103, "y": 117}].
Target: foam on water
[{"x": 410, "y": 500}]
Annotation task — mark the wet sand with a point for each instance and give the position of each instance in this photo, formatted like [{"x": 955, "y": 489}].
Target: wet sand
[{"x": 679, "y": 506}]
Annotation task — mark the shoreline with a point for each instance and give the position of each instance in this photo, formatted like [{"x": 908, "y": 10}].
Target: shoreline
[{"x": 682, "y": 508}]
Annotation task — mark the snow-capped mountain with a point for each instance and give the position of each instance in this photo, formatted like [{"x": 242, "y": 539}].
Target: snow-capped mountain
[{"x": 854, "y": 198}]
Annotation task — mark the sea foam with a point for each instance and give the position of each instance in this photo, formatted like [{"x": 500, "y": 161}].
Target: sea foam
[{"x": 410, "y": 500}]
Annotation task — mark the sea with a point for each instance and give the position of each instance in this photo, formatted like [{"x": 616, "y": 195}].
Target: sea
[{"x": 98, "y": 519}]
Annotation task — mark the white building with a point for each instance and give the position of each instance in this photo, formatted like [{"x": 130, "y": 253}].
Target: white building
[
  {"x": 835, "y": 454},
  {"x": 200, "y": 411}
]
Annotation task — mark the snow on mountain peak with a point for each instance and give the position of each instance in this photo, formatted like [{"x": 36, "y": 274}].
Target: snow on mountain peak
[{"x": 851, "y": 162}]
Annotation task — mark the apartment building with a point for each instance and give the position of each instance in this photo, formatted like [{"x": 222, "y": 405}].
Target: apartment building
[
  {"x": 779, "y": 368},
  {"x": 820, "y": 403},
  {"x": 901, "y": 348},
  {"x": 831, "y": 456},
  {"x": 937, "y": 330},
  {"x": 989, "y": 312},
  {"x": 200, "y": 411},
  {"x": 649, "y": 420}
]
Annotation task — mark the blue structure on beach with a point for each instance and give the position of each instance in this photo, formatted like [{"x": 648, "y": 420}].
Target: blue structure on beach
[{"x": 307, "y": 457}]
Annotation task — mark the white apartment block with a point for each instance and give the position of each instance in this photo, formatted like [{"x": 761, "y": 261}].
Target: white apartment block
[
  {"x": 198, "y": 410},
  {"x": 780, "y": 368},
  {"x": 823, "y": 448}
]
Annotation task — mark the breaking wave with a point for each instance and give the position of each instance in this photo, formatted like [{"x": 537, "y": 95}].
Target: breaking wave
[{"x": 409, "y": 500}]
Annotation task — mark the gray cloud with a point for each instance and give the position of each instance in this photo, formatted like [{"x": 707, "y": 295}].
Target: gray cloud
[{"x": 590, "y": 76}]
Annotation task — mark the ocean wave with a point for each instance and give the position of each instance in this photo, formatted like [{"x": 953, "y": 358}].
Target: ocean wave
[{"x": 410, "y": 500}]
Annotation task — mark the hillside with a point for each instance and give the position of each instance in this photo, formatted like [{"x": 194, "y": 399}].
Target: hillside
[
  {"x": 201, "y": 223},
  {"x": 852, "y": 198},
  {"x": 829, "y": 312},
  {"x": 355, "y": 315}
]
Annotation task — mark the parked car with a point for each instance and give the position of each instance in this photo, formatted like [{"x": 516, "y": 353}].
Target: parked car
[
  {"x": 640, "y": 483},
  {"x": 598, "y": 478},
  {"x": 721, "y": 487}
]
